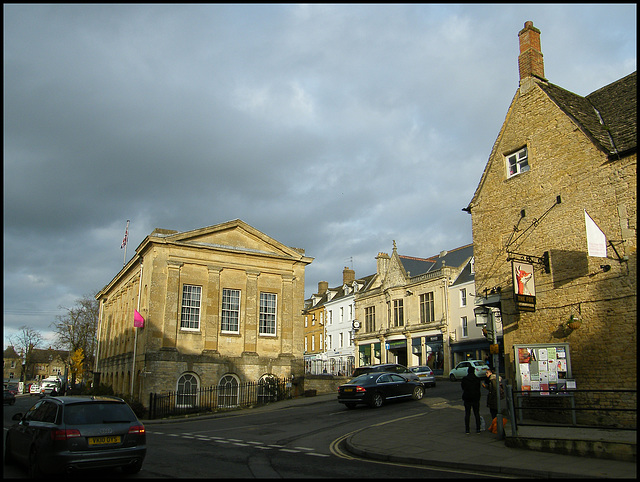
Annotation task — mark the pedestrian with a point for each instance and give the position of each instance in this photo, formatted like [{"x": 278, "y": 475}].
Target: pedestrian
[
  {"x": 491, "y": 384},
  {"x": 471, "y": 396}
]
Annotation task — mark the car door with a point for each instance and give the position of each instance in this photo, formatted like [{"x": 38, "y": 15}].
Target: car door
[
  {"x": 386, "y": 386},
  {"x": 402, "y": 387},
  {"x": 462, "y": 369}
]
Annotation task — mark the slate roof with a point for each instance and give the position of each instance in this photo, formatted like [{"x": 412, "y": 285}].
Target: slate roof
[
  {"x": 608, "y": 115},
  {"x": 454, "y": 258}
]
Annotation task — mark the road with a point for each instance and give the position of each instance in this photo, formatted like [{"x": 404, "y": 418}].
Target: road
[{"x": 289, "y": 442}]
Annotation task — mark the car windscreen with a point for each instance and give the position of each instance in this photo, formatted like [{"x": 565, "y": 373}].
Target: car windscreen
[{"x": 97, "y": 413}]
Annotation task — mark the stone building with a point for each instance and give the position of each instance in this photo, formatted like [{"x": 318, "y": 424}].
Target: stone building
[
  {"x": 221, "y": 305},
  {"x": 404, "y": 311},
  {"x": 11, "y": 364},
  {"x": 558, "y": 194}
]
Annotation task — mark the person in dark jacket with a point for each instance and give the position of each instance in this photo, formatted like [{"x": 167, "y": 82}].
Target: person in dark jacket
[{"x": 471, "y": 396}]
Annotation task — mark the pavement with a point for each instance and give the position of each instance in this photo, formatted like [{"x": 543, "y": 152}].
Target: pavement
[{"x": 437, "y": 438}]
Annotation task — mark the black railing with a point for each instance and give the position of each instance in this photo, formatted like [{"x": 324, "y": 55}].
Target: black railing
[
  {"x": 210, "y": 399},
  {"x": 606, "y": 408}
]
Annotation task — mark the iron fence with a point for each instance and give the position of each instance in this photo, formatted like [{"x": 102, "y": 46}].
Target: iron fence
[
  {"x": 606, "y": 408},
  {"x": 209, "y": 399}
]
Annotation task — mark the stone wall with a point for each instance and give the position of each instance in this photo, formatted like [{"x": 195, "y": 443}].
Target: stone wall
[{"x": 563, "y": 162}]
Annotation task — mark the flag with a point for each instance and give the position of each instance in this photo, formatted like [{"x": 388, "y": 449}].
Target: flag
[
  {"x": 596, "y": 240},
  {"x": 138, "y": 320},
  {"x": 126, "y": 236}
]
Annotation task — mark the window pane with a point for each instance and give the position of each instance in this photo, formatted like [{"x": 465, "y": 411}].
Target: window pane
[
  {"x": 267, "y": 314},
  {"x": 190, "y": 315},
  {"x": 230, "y": 310}
]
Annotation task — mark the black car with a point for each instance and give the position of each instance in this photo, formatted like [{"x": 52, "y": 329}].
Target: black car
[
  {"x": 387, "y": 367},
  {"x": 9, "y": 397},
  {"x": 375, "y": 388},
  {"x": 62, "y": 434}
]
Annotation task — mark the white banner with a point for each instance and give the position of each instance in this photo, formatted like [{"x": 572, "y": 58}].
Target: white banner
[{"x": 596, "y": 240}]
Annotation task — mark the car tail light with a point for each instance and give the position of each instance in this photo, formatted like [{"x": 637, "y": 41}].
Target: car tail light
[
  {"x": 361, "y": 389},
  {"x": 137, "y": 429},
  {"x": 65, "y": 434}
]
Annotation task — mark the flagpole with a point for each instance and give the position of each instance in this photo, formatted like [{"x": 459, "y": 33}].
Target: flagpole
[
  {"x": 125, "y": 241},
  {"x": 135, "y": 338}
]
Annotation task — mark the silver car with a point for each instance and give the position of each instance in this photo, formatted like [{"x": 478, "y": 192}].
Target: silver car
[{"x": 425, "y": 374}]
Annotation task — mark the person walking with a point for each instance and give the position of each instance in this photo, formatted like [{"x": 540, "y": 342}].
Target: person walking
[{"x": 471, "y": 394}]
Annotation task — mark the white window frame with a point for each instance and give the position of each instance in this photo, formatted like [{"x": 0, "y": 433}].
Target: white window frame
[
  {"x": 187, "y": 388},
  {"x": 463, "y": 297},
  {"x": 230, "y": 316},
  {"x": 517, "y": 162},
  {"x": 268, "y": 314},
  {"x": 465, "y": 326},
  {"x": 228, "y": 391},
  {"x": 190, "y": 307}
]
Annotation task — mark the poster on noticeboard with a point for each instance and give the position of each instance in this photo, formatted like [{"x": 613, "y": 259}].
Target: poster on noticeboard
[{"x": 543, "y": 369}]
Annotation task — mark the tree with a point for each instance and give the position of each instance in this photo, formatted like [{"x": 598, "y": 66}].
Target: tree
[
  {"x": 24, "y": 342},
  {"x": 77, "y": 362},
  {"x": 78, "y": 327}
]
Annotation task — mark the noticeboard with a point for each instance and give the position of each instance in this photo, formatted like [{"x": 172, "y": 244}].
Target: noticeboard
[{"x": 543, "y": 368}]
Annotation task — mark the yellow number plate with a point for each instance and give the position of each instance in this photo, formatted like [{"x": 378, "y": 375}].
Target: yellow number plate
[{"x": 104, "y": 440}]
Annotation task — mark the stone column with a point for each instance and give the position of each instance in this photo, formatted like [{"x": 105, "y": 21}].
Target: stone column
[
  {"x": 171, "y": 323},
  {"x": 211, "y": 322},
  {"x": 286, "y": 316},
  {"x": 251, "y": 310}
]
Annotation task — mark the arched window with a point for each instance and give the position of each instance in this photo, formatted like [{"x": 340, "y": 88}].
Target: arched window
[
  {"x": 267, "y": 388},
  {"x": 187, "y": 390},
  {"x": 228, "y": 391}
]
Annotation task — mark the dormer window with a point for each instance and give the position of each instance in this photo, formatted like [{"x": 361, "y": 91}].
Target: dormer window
[{"x": 517, "y": 162}]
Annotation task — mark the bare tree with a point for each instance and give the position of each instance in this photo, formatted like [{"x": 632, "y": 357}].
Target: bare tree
[
  {"x": 77, "y": 328},
  {"x": 24, "y": 342}
]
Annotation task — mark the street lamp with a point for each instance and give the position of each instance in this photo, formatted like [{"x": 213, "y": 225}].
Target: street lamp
[{"x": 485, "y": 317}]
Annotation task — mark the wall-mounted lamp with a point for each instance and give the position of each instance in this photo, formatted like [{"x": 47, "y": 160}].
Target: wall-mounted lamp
[
  {"x": 409, "y": 293},
  {"x": 605, "y": 267}
]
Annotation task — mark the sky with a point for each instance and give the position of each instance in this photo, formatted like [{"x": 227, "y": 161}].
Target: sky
[{"x": 333, "y": 128}]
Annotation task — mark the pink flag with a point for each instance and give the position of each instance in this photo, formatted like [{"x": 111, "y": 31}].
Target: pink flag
[{"x": 138, "y": 320}]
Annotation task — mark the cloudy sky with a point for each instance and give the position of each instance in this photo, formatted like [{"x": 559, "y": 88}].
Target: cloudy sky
[{"x": 333, "y": 128}]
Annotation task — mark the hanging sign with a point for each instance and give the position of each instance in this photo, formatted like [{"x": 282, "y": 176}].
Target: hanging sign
[{"x": 524, "y": 286}]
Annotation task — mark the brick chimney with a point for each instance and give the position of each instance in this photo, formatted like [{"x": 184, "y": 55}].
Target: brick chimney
[
  {"x": 348, "y": 276},
  {"x": 323, "y": 286},
  {"x": 530, "y": 61}
]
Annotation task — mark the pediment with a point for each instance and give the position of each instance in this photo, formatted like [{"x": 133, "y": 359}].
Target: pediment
[
  {"x": 233, "y": 235},
  {"x": 396, "y": 274}
]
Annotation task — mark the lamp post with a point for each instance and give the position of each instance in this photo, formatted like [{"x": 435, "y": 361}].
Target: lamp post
[{"x": 485, "y": 316}]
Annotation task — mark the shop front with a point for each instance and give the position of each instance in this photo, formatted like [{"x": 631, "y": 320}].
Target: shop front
[{"x": 369, "y": 354}]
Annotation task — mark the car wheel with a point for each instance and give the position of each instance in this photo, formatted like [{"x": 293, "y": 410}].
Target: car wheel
[
  {"x": 132, "y": 468},
  {"x": 377, "y": 400},
  {"x": 418, "y": 393},
  {"x": 452, "y": 377},
  {"x": 350, "y": 405},
  {"x": 32, "y": 465}
]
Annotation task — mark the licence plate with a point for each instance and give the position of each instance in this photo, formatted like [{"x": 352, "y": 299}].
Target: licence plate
[
  {"x": 114, "y": 439},
  {"x": 348, "y": 390}
]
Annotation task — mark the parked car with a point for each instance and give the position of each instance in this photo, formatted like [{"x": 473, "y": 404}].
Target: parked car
[
  {"x": 63, "y": 434},
  {"x": 375, "y": 388},
  {"x": 387, "y": 367},
  {"x": 13, "y": 387},
  {"x": 425, "y": 374},
  {"x": 9, "y": 397},
  {"x": 462, "y": 368},
  {"x": 34, "y": 389},
  {"x": 49, "y": 388}
]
